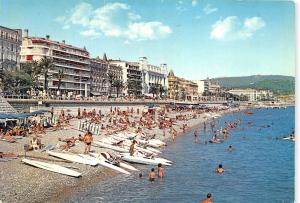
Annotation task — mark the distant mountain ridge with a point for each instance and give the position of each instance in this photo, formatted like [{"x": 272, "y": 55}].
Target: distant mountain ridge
[{"x": 278, "y": 84}]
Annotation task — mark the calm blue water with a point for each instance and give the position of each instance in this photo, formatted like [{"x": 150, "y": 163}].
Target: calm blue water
[{"x": 260, "y": 168}]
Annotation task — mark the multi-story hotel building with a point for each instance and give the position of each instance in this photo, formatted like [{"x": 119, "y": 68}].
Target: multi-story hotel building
[
  {"x": 73, "y": 61},
  {"x": 152, "y": 75},
  {"x": 131, "y": 75},
  {"x": 99, "y": 77},
  {"x": 10, "y": 42},
  {"x": 102, "y": 71},
  {"x": 252, "y": 94},
  {"x": 181, "y": 88}
]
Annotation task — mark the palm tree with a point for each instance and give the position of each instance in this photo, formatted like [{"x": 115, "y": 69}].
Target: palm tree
[
  {"x": 161, "y": 90},
  {"x": 60, "y": 75},
  {"x": 152, "y": 89},
  {"x": 111, "y": 78},
  {"x": 44, "y": 66},
  {"x": 118, "y": 84}
]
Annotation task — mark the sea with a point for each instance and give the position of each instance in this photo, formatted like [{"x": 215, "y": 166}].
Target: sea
[{"x": 259, "y": 169}]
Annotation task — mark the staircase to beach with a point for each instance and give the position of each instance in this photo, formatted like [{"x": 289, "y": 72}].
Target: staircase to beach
[{"x": 5, "y": 107}]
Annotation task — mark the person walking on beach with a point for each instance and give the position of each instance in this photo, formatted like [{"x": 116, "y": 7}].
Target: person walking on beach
[
  {"x": 196, "y": 136},
  {"x": 152, "y": 175},
  {"x": 131, "y": 149},
  {"x": 88, "y": 138},
  {"x": 160, "y": 171},
  {"x": 208, "y": 199}
]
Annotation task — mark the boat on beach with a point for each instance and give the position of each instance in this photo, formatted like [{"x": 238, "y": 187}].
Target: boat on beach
[
  {"x": 52, "y": 167},
  {"x": 104, "y": 163},
  {"x": 144, "y": 160},
  {"x": 73, "y": 158},
  {"x": 108, "y": 158}
]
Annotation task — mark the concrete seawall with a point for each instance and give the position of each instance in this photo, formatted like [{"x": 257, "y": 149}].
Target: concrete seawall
[{"x": 26, "y": 104}]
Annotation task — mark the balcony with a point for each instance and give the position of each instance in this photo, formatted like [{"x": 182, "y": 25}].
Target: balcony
[
  {"x": 68, "y": 52},
  {"x": 66, "y": 57},
  {"x": 85, "y": 68}
]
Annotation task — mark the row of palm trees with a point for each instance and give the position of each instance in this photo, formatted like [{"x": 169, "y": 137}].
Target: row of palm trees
[{"x": 31, "y": 73}]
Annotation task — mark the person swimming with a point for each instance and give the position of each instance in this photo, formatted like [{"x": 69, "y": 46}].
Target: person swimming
[
  {"x": 208, "y": 198},
  {"x": 220, "y": 169},
  {"x": 230, "y": 148}
]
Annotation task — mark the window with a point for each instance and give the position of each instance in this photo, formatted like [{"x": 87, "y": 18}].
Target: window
[{"x": 12, "y": 47}]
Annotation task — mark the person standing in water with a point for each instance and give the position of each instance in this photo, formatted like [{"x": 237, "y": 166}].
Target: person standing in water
[
  {"x": 152, "y": 175},
  {"x": 160, "y": 171},
  {"x": 230, "y": 148},
  {"x": 196, "y": 136}
]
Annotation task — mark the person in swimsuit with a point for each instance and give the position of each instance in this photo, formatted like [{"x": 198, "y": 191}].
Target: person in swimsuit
[
  {"x": 88, "y": 138},
  {"x": 131, "y": 149},
  {"x": 196, "y": 136},
  {"x": 160, "y": 171},
  {"x": 230, "y": 148},
  {"x": 152, "y": 175},
  {"x": 208, "y": 199}
]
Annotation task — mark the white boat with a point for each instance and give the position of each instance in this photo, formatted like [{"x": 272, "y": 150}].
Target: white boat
[
  {"x": 109, "y": 146},
  {"x": 106, "y": 157},
  {"x": 73, "y": 158},
  {"x": 104, "y": 163},
  {"x": 143, "y": 160},
  {"x": 52, "y": 167}
]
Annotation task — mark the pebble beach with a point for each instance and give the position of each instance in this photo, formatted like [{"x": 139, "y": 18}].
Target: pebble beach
[{"x": 23, "y": 183}]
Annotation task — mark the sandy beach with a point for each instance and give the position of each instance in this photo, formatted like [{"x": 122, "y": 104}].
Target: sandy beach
[{"x": 22, "y": 183}]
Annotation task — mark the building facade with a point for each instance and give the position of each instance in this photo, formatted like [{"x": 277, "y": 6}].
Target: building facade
[
  {"x": 131, "y": 76},
  {"x": 252, "y": 94},
  {"x": 152, "y": 75},
  {"x": 74, "y": 62},
  {"x": 201, "y": 86},
  {"x": 10, "y": 47},
  {"x": 99, "y": 76},
  {"x": 180, "y": 88}
]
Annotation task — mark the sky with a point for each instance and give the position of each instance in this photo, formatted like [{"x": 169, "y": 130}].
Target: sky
[{"x": 196, "y": 38}]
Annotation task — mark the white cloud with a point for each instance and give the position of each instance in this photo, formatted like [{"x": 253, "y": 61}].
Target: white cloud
[
  {"x": 194, "y": 2},
  {"x": 232, "y": 28},
  {"x": 254, "y": 23},
  {"x": 147, "y": 30},
  {"x": 90, "y": 33},
  {"x": 222, "y": 27},
  {"x": 208, "y": 9},
  {"x": 113, "y": 20}
]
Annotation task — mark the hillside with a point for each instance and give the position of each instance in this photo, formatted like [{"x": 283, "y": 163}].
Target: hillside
[{"x": 279, "y": 84}]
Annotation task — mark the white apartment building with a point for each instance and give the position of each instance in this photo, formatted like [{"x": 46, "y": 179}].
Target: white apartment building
[
  {"x": 201, "y": 86},
  {"x": 131, "y": 75},
  {"x": 252, "y": 94},
  {"x": 10, "y": 42},
  {"x": 153, "y": 74},
  {"x": 73, "y": 61}
]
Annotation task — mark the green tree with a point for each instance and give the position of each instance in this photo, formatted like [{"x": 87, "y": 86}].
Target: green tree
[
  {"x": 60, "y": 75},
  {"x": 118, "y": 84},
  {"x": 43, "y": 68}
]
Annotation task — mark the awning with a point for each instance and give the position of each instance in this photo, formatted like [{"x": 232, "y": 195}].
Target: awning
[{"x": 21, "y": 115}]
